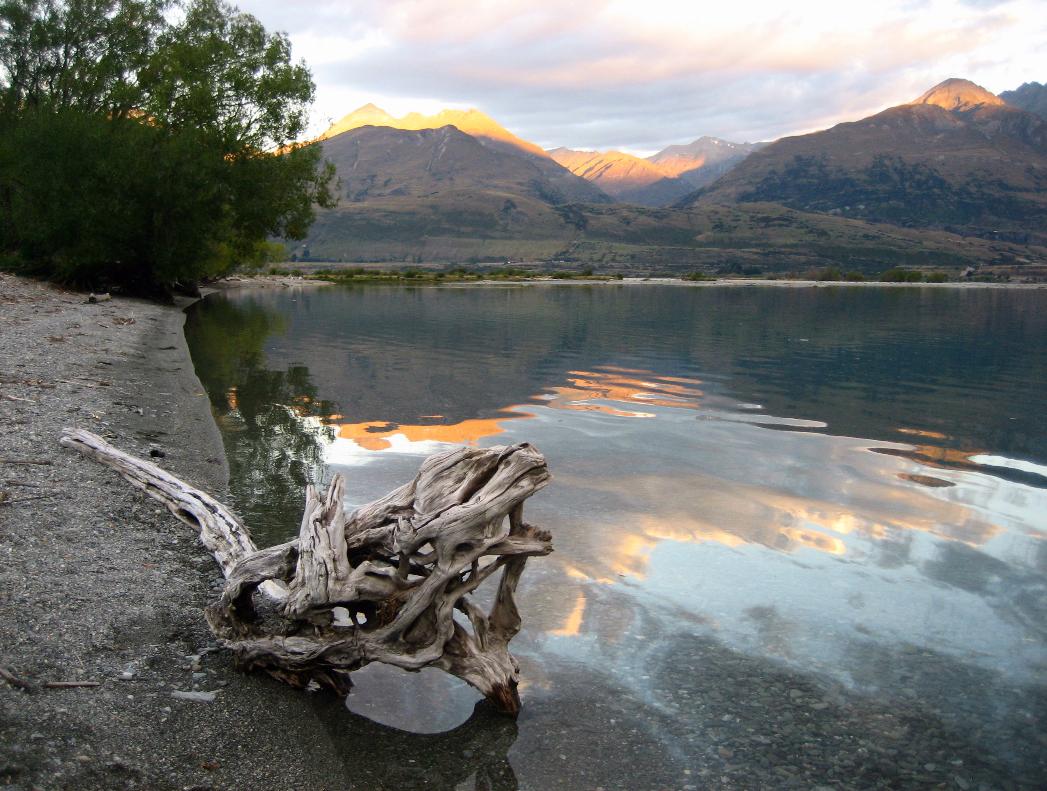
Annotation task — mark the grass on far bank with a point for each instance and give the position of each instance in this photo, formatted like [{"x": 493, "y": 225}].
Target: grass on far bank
[{"x": 464, "y": 274}]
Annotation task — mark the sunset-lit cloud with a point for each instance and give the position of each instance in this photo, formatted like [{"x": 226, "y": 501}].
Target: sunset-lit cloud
[{"x": 639, "y": 76}]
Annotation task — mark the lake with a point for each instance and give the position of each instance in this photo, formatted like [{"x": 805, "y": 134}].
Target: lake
[{"x": 799, "y": 532}]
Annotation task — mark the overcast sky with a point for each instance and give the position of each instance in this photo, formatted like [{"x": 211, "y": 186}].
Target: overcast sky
[{"x": 641, "y": 74}]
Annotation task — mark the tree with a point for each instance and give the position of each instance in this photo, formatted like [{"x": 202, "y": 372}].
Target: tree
[
  {"x": 82, "y": 54},
  {"x": 147, "y": 144}
]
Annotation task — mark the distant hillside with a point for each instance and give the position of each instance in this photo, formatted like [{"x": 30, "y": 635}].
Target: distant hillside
[
  {"x": 957, "y": 158},
  {"x": 702, "y": 161},
  {"x": 1031, "y": 97},
  {"x": 624, "y": 177},
  {"x": 554, "y": 182},
  {"x": 374, "y": 162},
  {"x": 465, "y": 226}
]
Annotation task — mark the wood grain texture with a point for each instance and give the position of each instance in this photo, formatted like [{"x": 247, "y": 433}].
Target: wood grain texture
[{"x": 382, "y": 584}]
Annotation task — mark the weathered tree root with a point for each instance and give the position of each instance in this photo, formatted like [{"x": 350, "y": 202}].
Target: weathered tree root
[{"x": 382, "y": 584}]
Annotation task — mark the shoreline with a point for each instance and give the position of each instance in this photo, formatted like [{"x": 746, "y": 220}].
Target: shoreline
[
  {"x": 294, "y": 281},
  {"x": 99, "y": 583},
  {"x": 746, "y": 283}
]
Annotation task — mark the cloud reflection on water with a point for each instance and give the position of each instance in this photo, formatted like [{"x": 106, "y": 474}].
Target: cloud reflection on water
[
  {"x": 585, "y": 391},
  {"x": 773, "y": 535},
  {"x": 734, "y": 480},
  {"x": 689, "y": 507}
]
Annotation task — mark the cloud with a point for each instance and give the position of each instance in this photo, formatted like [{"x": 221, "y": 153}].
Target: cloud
[{"x": 638, "y": 76}]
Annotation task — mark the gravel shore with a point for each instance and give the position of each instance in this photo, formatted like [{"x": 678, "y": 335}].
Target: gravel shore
[{"x": 98, "y": 583}]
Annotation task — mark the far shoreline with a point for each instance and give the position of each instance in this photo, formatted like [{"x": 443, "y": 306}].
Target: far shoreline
[{"x": 299, "y": 281}]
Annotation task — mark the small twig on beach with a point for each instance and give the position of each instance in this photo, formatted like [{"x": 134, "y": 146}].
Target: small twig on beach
[
  {"x": 71, "y": 684},
  {"x": 10, "y": 482},
  {"x": 7, "y": 501},
  {"x": 14, "y": 680},
  {"x": 84, "y": 382},
  {"x": 21, "y": 380},
  {"x": 16, "y": 398},
  {"x": 26, "y": 461}
]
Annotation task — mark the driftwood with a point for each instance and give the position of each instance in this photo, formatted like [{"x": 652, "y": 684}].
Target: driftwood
[
  {"x": 72, "y": 684},
  {"x": 391, "y": 582}
]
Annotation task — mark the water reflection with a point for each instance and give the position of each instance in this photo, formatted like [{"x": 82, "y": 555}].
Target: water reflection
[
  {"x": 273, "y": 447},
  {"x": 876, "y": 488},
  {"x": 383, "y": 435},
  {"x": 585, "y": 391},
  {"x": 473, "y": 756},
  {"x": 588, "y": 390}
]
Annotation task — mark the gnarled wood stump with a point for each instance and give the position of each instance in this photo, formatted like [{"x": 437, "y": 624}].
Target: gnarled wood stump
[{"x": 382, "y": 584}]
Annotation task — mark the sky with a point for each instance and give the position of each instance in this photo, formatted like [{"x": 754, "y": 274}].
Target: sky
[{"x": 637, "y": 75}]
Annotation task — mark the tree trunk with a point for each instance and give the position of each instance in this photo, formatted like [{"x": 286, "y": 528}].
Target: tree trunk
[{"x": 381, "y": 584}]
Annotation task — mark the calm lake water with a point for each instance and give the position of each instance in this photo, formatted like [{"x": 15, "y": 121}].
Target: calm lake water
[{"x": 800, "y": 533}]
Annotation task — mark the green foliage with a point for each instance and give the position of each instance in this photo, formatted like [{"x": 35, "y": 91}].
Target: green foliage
[
  {"x": 269, "y": 442},
  {"x": 854, "y": 277},
  {"x": 899, "y": 275},
  {"x": 698, "y": 276},
  {"x": 937, "y": 277},
  {"x": 829, "y": 273},
  {"x": 735, "y": 268},
  {"x": 145, "y": 152}
]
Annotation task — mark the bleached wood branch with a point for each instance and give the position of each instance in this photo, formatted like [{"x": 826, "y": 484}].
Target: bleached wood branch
[{"x": 399, "y": 567}]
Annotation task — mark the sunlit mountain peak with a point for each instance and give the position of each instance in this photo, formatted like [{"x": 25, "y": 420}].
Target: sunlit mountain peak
[
  {"x": 471, "y": 121},
  {"x": 368, "y": 115},
  {"x": 957, "y": 95},
  {"x": 608, "y": 167}
]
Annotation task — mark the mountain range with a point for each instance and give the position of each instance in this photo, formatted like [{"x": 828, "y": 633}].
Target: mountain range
[
  {"x": 957, "y": 158},
  {"x": 474, "y": 151},
  {"x": 659, "y": 179},
  {"x": 955, "y": 164}
]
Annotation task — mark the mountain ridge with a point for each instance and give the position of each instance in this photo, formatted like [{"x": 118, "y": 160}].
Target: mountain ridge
[
  {"x": 979, "y": 168},
  {"x": 382, "y": 162},
  {"x": 1030, "y": 96},
  {"x": 658, "y": 180},
  {"x": 703, "y": 160},
  {"x": 471, "y": 121},
  {"x": 623, "y": 176}
]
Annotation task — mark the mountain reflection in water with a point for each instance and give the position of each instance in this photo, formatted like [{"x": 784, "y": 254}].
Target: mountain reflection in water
[{"x": 838, "y": 491}]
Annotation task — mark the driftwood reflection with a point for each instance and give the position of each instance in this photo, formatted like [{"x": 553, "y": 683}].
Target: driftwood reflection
[{"x": 380, "y": 758}]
